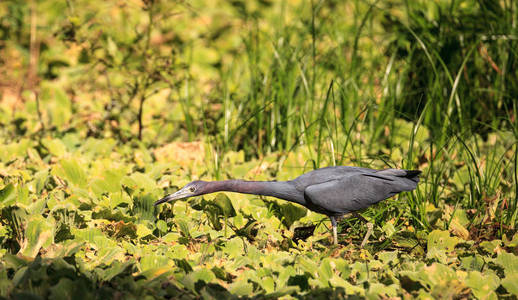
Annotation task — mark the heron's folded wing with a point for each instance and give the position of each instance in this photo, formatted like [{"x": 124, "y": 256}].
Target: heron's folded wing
[{"x": 351, "y": 193}]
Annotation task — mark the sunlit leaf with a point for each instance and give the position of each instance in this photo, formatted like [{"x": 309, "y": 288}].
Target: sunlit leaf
[
  {"x": 224, "y": 203},
  {"x": 483, "y": 286},
  {"x": 510, "y": 283},
  {"x": 508, "y": 261},
  {"x": 39, "y": 233},
  {"x": 72, "y": 172},
  {"x": 55, "y": 147},
  {"x": 7, "y": 195}
]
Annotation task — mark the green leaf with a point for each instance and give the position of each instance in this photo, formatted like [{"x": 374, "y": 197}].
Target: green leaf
[
  {"x": 72, "y": 172},
  {"x": 389, "y": 229},
  {"x": 513, "y": 242},
  {"x": 509, "y": 262},
  {"x": 491, "y": 247},
  {"x": 152, "y": 261},
  {"x": 267, "y": 284},
  {"x": 58, "y": 103},
  {"x": 510, "y": 283},
  {"x": 442, "y": 240},
  {"x": 141, "y": 181},
  {"x": 184, "y": 227},
  {"x": 234, "y": 247},
  {"x": 377, "y": 290},
  {"x": 144, "y": 208},
  {"x": 115, "y": 269},
  {"x": 475, "y": 263},
  {"x": 161, "y": 225},
  {"x": 440, "y": 243},
  {"x": 171, "y": 237},
  {"x": 7, "y": 195},
  {"x": 143, "y": 231},
  {"x": 291, "y": 213},
  {"x": 325, "y": 271},
  {"x": 111, "y": 182},
  {"x": 483, "y": 286},
  {"x": 307, "y": 265},
  {"x": 55, "y": 147},
  {"x": 241, "y": 288},
  {"x": 39, "y": 233},
  {"x": 388, "y": 257},
  {"x": 224, "y": 203},
  {"x": 204, "y": 275},
  {"x": 20, "y": 276},
  {"x": 64, "y": 289}
]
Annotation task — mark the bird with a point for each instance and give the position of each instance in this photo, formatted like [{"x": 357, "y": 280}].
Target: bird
[{"x": 334, "y": 191}]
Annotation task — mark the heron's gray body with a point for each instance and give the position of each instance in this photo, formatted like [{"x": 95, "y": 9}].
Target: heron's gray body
[
  {"x": 336, "y": 191},
  {"x": 333, "y": 191}
]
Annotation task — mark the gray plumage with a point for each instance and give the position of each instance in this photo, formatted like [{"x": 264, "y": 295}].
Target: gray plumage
[{"x": 332, "y": 191}]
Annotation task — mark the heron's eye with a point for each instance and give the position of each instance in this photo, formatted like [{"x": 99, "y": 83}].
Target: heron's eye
[{"x": 192, "y": 189}]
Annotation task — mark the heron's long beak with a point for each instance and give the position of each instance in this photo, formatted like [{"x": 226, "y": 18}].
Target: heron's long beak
[{"x": 180, "y": 194}]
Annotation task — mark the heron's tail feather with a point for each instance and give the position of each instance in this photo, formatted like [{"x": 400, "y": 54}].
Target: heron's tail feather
[
  {"x": 413, "y": 175},
  {"x": 402, "y": 180}
]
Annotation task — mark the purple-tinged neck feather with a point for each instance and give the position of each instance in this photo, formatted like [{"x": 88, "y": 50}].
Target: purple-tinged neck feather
[{"x": 279, "y": 189}]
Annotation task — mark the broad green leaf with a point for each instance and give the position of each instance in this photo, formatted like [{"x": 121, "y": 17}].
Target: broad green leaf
[
  {"x": 110, "y": 183},
  {"x": 143, "y": 231},
  {"x": 59, "y": 108},
  {"x": 475, "y": 262},
  {"x": 183, "y": 225},
  {"x": 491, "y": 247},
  {"x": 14, "y": 150},
  {"x": 291, "y": 213},
  {"x": 54, "y": 146},
  {"x": 171, "y": 237},
  {"x": 141, "y": 181},
  {"x": 337, "y": 281},
  {"x": 267, "y": 284},
  {"x": 284, "y": 274},
  {"x": 40, "y": 179},
  {"x": 64, "y": 249},
  {"x": 203, "y": 275},
  {"x": 108, "y": 254},
  {"x": 161, "y": 225},
  {"x": 21, "y": 276},
  {"x": 72, "y": 172},
  {"x": 39, "y": 233},
  {"x": 442, "y": 240},
  {"x": 513, "y": 242},
  {"x": 325, "y": 271},
  {"x": 241, "y": 287},
  {"x": 440, "y": 243},
  {"x": 307, "y": 265},
  {"x": 224, "y": 203},
  {"x": 7, "y": 195},
  {"x": 234, "y": 247},
  {"x": 64, "y": 289},
  {"x": 377, "y": 290},
  {"x": 162, "y": 272},
  {"x": 483, "y": 286},
  {"x": 388, "y": 257},
  {"x": 143, "y": 207},
  {"x": 508, "y": 261},
  {"x": 153, "y": 261},
  {"x": 510, "y": 283},
  {"x": 389, "y": 229}
]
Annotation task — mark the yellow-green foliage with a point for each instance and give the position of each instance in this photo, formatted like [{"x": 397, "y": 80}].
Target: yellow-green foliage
[{"x": 107, "y": 106}]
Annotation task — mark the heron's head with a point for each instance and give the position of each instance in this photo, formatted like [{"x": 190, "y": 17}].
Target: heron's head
[{"x": 194, "y": 188}]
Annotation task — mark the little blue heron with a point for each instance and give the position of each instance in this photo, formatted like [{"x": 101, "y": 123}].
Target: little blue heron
[{"x": 332, "y": 191}]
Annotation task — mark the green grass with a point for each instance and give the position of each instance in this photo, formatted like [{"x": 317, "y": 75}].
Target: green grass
[{"x": 107, "y": 107}]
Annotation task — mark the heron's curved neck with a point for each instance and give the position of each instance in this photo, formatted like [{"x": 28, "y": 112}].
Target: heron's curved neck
[{"x": 279, "y": 189}]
